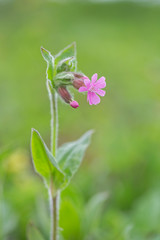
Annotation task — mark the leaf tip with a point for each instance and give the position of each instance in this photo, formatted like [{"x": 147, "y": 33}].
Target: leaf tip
[
  {"x": 74, "y": 43},
  {"x": 44, "y": 52},
  {"x": 91, "y": 132},
  {"x": 43, "y": 49},
  {"x": 33, "y": 130}
]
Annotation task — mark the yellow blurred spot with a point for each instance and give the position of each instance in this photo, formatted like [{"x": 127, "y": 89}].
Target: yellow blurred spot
[{"x": 18, "y": 161}]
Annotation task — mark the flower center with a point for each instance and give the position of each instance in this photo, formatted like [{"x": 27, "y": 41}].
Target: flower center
[{"x": 92, "y": 89}]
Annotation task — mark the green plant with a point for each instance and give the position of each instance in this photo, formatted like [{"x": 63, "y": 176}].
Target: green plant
[{"x": 58, "y": 165}]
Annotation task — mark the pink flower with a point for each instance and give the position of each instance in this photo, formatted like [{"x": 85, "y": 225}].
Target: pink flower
[{"x": 93, "y": 88}]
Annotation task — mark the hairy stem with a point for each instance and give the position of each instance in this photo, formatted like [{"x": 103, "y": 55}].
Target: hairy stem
[
  {"x": 54, "y": 123},
  {"x": 55, "y": 216},
  {"x": 54, "y": 198}
]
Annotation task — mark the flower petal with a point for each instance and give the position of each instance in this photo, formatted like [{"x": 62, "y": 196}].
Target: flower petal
[
  {"x": 94, "y": 77},
  {"x": 87, "y": 82},
  {"x": 94, "y": 98},
  {"x": 100, "y": 83},
  {"x": 84, "y": 77},
  {"x": 100, "y": 92},
  {"x": 82, "y": 89}
]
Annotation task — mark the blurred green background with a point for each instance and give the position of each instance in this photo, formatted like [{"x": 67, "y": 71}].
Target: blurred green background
[{"x": 116, "y": 193}]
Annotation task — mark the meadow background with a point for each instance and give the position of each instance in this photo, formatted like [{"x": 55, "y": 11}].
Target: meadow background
[{"x": 116, "y": 193}]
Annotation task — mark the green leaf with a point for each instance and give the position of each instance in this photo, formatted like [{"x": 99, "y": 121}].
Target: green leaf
[
  {"x": 70, "y": 155},
  {"x": 44, "y": 162},
  {"x": 93, "y": 209},
  {"x": 33, "y": 233},
  {"x": 50, "y": 63},
  {"x": 68, "y": 52}
]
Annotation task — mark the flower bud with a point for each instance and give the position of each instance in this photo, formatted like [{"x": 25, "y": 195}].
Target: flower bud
[
  {"x": 65, "y": 95},
  {"x": 78, "y": 80},
  {"x": 74, "y": 104}
]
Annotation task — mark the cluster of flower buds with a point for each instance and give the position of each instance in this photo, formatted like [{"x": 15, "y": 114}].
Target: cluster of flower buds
[{"x": 70, "y": 78}]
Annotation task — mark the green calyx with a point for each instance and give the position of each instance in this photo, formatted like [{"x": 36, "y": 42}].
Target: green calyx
[{"x": 63, "y": 79}]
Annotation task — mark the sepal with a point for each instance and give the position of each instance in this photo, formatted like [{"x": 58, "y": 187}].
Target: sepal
[{"x": 64, "y": 78}]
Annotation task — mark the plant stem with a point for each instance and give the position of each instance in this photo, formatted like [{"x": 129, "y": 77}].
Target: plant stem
[
  {"x": 55, "y": 216},
  {"x": 54, "y": 123},
  {"x": 54, "y": 199}
]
